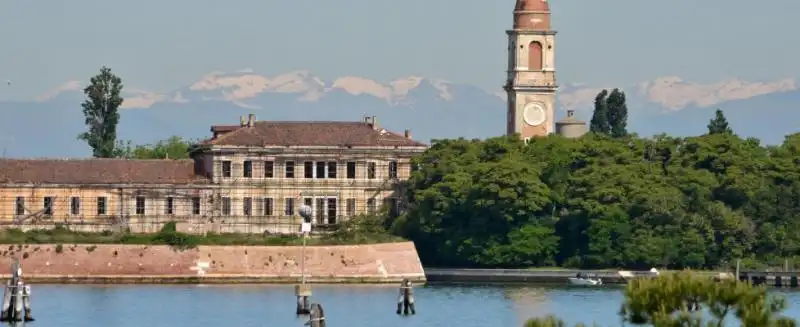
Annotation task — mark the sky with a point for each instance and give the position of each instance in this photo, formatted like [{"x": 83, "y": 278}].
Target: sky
[{"x": 164, "y": 45}]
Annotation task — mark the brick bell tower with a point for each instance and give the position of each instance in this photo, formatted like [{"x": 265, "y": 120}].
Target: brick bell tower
[{"x": 531, "y": 82}]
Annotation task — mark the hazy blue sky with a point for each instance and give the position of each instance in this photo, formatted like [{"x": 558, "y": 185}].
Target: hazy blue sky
[{"x": 166, "y": 44}]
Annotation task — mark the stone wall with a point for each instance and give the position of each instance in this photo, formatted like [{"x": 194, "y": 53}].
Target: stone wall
[{"x": 377, "y": 263}]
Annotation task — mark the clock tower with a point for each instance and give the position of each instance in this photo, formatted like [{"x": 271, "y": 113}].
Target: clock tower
[{"x": 531, "y": 82}]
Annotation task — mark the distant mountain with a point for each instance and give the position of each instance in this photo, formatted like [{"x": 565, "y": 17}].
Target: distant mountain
[{"x": 431, "y": 108}]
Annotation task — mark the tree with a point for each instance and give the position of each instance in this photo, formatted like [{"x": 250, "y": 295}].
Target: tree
[
  {"x": 100, "y": 110},
  {"x": 617, "y": 113},
  {"x": 601, "y": 202},
  {"x": 174, "y": 147},
  {"x": 719, "y": 124},
  {"x": 679, "y": 300},
  {"x": 599, "y": 123}
]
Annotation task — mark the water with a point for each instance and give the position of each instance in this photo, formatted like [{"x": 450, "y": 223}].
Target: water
[{"x": 352, "y": 306}]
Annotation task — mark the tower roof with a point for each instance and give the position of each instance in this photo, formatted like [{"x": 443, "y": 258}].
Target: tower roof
[
  {"x": 532, "y": 15},
  {"x": 532, "y": 5},
  {"x": 570, "y": 119}
]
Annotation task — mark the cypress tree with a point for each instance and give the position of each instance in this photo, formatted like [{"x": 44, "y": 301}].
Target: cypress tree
[
  {"x": 599, "y": 123},
  {"x": 617, "y": 113}
]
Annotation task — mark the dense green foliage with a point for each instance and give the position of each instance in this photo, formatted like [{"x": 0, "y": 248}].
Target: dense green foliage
[
  {"x": 683, "y": 299},
  {"x": 610, "y": 115},
  {"x": 101, "y": 113},
  {"x": 598, "y": 201},
  {"x": 174, "y": 147}
]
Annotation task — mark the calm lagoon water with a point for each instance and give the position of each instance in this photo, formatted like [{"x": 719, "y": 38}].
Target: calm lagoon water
[{"x": 347, "y": 305}]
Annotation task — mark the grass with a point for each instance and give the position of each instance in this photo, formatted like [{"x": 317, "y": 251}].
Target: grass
[{"x": 168, "y": 236}]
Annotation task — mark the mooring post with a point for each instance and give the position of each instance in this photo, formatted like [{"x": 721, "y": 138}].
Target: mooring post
[
  {"x": 303, "y": 290},
  {"x": 16, "y": 298},
  {"x": 26, "y": 303},
  {"x": 316, "y": 317},
  {"x": 405, "y": 300}
]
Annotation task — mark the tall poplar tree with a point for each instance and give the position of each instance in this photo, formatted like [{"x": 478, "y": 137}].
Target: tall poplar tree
[
  {"x": 599, "y": 123},
  {"x": 101, "y": 112},
  {"x": 617, "y": 113}
]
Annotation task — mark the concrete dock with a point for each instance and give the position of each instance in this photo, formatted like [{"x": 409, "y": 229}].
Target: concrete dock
[{"x": 525, "y": 275}]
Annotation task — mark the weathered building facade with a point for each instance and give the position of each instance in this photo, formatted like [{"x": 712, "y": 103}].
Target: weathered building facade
[{"x": 247, "y": 178}]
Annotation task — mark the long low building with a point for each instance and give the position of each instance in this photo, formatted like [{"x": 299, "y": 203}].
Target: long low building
[{"x": 247, "y": 178}]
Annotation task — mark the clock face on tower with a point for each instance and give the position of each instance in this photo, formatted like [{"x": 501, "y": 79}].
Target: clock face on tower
[{"x": 534, "y": 114}]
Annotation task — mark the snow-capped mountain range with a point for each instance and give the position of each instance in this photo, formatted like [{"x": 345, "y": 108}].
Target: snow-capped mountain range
[{"x": 431, "y": 108}]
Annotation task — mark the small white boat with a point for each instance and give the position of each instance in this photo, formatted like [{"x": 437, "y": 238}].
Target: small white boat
[{"x": 586, "y": 279}]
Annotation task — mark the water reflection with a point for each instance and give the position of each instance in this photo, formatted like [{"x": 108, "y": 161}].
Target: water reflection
[{"x": 346, "y": 305}]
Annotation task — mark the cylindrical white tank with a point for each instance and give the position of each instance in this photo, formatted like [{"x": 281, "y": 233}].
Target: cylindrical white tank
[{"x": 570, "y": 127}]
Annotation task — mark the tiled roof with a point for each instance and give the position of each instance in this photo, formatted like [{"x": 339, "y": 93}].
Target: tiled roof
[
  {"x": 308, "y": 133},
  {"x": 98, "y": 171}
]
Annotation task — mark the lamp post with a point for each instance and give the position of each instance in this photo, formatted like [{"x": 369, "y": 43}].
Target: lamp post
[{"x": 303, "y": 291}]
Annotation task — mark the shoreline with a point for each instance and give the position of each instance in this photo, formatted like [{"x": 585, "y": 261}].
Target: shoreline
[
  {"x": 385, "y": 263},
  {"x": 231, "y": 280}
]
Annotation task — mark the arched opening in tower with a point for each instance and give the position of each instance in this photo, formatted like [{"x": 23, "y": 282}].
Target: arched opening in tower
[{"x": 535, "y": 56}]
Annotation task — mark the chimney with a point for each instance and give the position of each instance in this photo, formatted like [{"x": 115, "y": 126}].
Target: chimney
[
  {"x": 251, "y": 120},
  {"x": 242, "y": 122},
  {"x": 570, "y": 113},
  {"x": 374, "y": 123},
  {"x": 408, "y": 134}
]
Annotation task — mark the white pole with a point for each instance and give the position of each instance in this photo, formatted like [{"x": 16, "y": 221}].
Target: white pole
[{"x": 303, "y": 261}]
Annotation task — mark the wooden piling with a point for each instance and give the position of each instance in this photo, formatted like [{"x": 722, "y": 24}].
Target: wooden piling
[
  {"x": 316, "y": 317},
  {"x": 303, "y": 294}
]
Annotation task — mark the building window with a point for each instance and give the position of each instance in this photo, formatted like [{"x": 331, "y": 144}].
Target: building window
[
  {"x": 309, "y": 202},
  {"x": 288, "y": 206},
  {"x": 371, "y": 206},
  {"x": 332, "y": 167},
  {"x": 196, "y": 205},
  {"x": 101, "y": 205},
  {"x": 351, "y": 170},
  {"x": 48, "y": 206},
  {"x": 320, "y": 210},
  {"x": 269, "y": 169},
  {"x": 289, "y": 169},
  {"x": 393, "y": 169},
  {"x": 247, "y": 169},
  {"x": 226, "y": 206},
  {"x": 169, "y": 206},
  {"x": 20, "y": 206},
  {"x": 247, "y": 206},
  {"x": 226, "y": 168},
  {"x": 351, "y": 207},
  {"x": 371, "y": 170},
  {"x": 75, "y": 205},
  {"x": 268, "y": 207},
  {"x": 332, "y": 207},
  {"x": 308, "y": 169},
  {"x": 140, "y": 204},
  {"x": 321, "y": 169}
]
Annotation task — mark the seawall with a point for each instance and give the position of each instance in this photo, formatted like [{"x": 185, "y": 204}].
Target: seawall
[{"x": 108, "y": 263}]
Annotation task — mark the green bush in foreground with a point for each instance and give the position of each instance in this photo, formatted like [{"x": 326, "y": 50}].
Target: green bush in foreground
[
  {"x": 684, "y": 299},
  {"x": 354, "y": 231}
]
